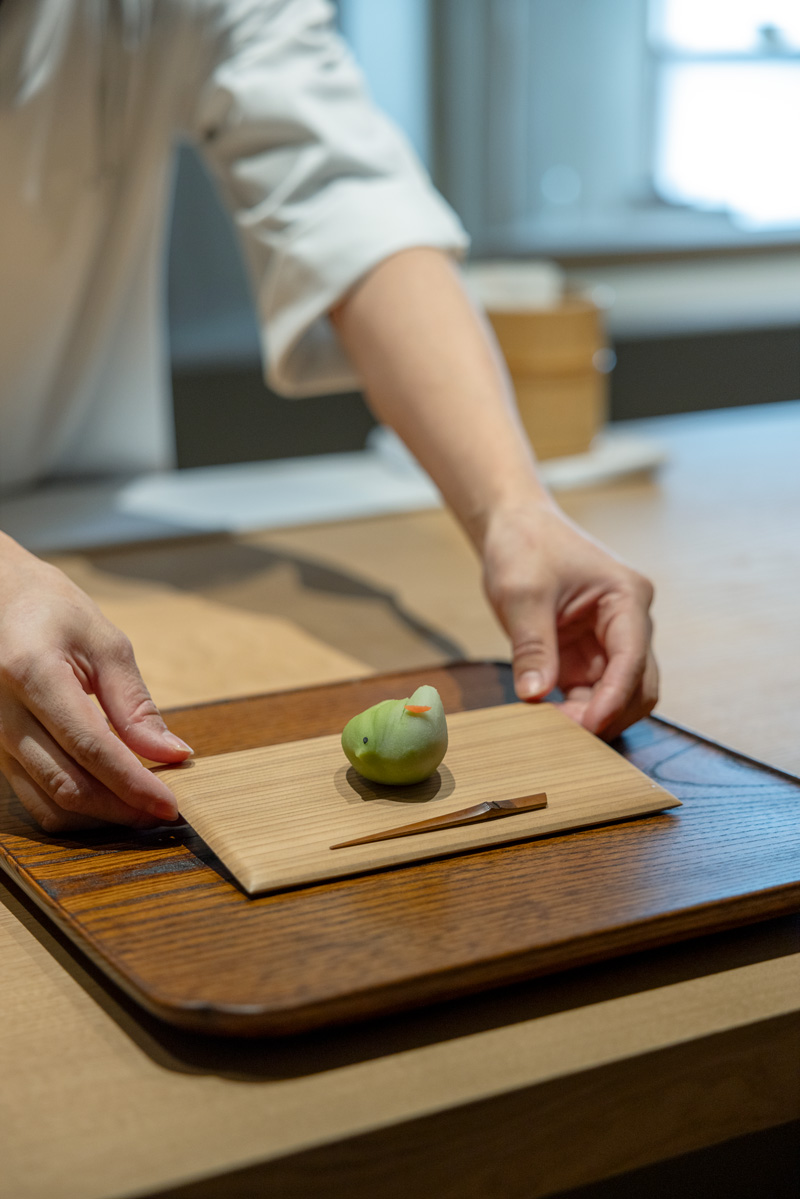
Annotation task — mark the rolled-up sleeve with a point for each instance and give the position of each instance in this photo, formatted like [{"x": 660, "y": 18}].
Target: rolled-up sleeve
[{"x": 320, "y": 183}]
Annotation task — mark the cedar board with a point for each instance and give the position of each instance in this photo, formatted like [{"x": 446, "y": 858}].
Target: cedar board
[
  {"x": 272, "y": 814},
  {"x": 160, "y": 916}
]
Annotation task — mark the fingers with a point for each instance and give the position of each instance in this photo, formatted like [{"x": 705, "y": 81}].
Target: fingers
[
  {"x": 641, "y": 703},
  {"x": 628, "y": 688},
  {"x": 129, "y": 706},
  {"x": 529, "y": 620},
  {"x": 55, "y": 819},
  {"x": 61, "y": 741}
]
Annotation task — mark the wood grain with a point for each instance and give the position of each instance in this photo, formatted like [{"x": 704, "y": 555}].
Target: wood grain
[
  {"x": 271, "y": 814},
  {"x": 192, "y": 649},
  {"x": 159, "y": 914}
]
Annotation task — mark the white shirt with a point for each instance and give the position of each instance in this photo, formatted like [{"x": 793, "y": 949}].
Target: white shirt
[{"x": 93, "y": 93}]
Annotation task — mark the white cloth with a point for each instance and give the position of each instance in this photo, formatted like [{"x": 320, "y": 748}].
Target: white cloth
[{"x": 93, "y": 94}]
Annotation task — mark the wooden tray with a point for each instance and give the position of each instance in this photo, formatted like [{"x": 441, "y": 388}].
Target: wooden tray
[{"x": 161, "y": 916}]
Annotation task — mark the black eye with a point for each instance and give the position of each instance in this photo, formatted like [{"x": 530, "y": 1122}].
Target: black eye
[{"x": 366, "y": 739}]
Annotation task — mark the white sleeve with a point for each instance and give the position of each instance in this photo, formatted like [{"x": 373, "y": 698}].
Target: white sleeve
[{"x": 321, "y": 184}]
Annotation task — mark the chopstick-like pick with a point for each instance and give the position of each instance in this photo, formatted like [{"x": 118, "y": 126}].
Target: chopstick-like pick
[{"x": 489, "y": 810}]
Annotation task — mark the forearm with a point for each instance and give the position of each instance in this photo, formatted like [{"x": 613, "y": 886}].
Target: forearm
[{"x": 432, "y": 372}]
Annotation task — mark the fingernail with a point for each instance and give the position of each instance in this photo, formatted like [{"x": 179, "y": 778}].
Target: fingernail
[
  {"x": 176, "y": 743},
  {"x": 164, "y": 810},
  {"x": 530, "y": 684}
]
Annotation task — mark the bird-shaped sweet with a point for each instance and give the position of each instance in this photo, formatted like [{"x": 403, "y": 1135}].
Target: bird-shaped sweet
[{"x": 398, "y": 741}]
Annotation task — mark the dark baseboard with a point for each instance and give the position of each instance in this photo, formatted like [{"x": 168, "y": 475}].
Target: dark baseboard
[
  {"x": 763, "y": 1165},
  {"x": 660, "y": 376},
  {"x": 227, "y": 414}
]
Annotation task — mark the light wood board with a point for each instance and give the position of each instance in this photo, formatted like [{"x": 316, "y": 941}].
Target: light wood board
[{"x": 271, "y": 814}]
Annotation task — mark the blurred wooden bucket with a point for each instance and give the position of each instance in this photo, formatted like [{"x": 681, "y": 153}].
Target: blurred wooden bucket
[{"x": 557, "y": 361}]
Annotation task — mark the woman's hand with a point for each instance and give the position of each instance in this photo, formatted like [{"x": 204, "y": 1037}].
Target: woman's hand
[
  {"x": 56, "y": 747},
  {"x": 576, "y": 616}
]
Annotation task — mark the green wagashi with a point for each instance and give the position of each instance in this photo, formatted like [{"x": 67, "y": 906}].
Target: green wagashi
[{"x": 398, "y": 741}]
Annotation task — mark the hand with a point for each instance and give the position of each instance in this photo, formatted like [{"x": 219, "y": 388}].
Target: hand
[
  {"x": 57, "y": 750},
  {"x": 577, "y": 617}
]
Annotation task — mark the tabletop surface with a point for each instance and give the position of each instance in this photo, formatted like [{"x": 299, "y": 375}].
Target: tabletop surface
[{"x": 89, "y": 1081}]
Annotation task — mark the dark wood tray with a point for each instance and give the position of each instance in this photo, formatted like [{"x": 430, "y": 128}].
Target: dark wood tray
[{"x": 160, "y": 915}]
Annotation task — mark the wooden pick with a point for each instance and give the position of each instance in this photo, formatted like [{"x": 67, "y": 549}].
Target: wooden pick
[{"x": 489, "y": 810}]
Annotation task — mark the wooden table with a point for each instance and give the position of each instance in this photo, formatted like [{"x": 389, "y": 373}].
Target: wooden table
[{"x": 525, "y": 1092}]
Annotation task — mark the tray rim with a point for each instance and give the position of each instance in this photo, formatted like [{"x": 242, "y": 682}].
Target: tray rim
[{"x": 276, "y": 1019}]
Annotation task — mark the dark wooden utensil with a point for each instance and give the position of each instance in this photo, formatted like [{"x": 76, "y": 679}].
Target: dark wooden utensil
[{"x": 489, "y": 810}]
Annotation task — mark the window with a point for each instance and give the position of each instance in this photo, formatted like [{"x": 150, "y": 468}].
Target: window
[
  {"x": 727, "y": 80},
  {"x": 591, "y": 126}
]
